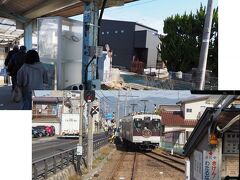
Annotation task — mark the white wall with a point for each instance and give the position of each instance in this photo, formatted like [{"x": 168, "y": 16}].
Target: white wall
[{"x": 196, "y": 108}]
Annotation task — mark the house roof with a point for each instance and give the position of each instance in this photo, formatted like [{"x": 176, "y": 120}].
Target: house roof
[
  {"x": 175, "y": 118},
  {"x": 201, "y": 128},
  {"x": 135, "y": 23},
  {"x": 189, "y": 100},
  {"x": 29, "y": 9},
  {"x": 25, "y": 11}
]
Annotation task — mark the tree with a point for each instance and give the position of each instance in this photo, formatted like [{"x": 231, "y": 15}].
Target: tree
[{"x": 181, "y": 44}]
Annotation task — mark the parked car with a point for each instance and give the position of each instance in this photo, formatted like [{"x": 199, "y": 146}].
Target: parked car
[
  {"x": 42, "y": 130},
  {"x": 50, "y": 131},
  {"x": 53, "y": 130},
  {"x": 36, "y": 132}
]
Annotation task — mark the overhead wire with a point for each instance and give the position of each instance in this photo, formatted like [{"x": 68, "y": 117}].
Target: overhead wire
[{"x": 138, "y": 4}]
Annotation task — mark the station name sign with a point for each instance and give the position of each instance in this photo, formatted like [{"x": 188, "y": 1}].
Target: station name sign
[{"x": 211, "y": 169}]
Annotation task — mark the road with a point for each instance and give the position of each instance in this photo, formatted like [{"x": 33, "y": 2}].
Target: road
[
  {"x": 48, "y": 148},
  {"x": 52, "y": 146}
]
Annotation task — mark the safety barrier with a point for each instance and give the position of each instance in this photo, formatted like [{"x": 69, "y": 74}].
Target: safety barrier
[{"x": 43, "y": 168}]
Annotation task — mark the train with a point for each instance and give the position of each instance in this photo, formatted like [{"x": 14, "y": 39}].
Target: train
[{"x": 141, "y": 131}]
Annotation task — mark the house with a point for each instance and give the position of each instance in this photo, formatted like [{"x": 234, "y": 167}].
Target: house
[
  {"x": 180, "y": 120},
  {"x": 212, "y": 150},
  {"x": 51, "y": 110},
  {"x": 130, "y": 41},
  {"x": 185, "y": 113},
  {"x": 47, "y": 111},
  {"x": 193, "y": 107}
]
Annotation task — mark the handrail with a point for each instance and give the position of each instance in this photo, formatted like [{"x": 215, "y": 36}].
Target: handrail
[{"x": 52, "y": 163}]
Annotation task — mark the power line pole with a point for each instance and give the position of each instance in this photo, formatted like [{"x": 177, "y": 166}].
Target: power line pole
[
  {"x": 118, "y": 103},
  {"x": 133, "y": 107},
  {"x": 201, "y": 71},
  {"x": 90, "y": 138},
  {"x": 80, "y": 146},
  {"x": 118, "y": 108},
  {"x": 145, "y": 105},
  {"x": 125, "y": 106}
]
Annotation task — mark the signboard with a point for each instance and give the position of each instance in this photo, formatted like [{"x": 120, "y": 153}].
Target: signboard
[
  {"x": 109, "y": 116},
  {"x": 79, "y": 150},
  {"x": 231, "y": 166},
  {"x": 197, "y": 165},
  {"x": 211, "y": 169},
  {"x": 231, "y": 143},
  {"x": 3, "y": 72}
]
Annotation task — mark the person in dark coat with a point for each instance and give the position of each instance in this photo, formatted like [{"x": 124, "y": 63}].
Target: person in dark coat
[
  {"x": 31, "y": 76},
  {"x": 8, "y": 58},
  {"x": 10, "y": 54},
  {"x": 15, "y": 64}
]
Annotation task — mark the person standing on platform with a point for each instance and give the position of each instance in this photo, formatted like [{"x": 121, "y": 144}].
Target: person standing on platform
[
  {"x": 15, "y": 64},
  {"x": 8, "y": 58},
  {"x": 31, "y": 76}
]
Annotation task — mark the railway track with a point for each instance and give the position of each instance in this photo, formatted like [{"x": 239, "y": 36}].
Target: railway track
[
  {"x": 173, "y": 162},
  {"x": 125, "y": 167},
  {"x": 135, "y": 165}
]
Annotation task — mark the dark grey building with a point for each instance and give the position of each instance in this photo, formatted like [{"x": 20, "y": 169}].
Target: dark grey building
[{"x": 130, "y": 40}]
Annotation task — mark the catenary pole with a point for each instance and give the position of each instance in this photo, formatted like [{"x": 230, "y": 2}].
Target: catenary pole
[
  {"x": 80, "y": 146},
  {"x": 90, "y": 138}
]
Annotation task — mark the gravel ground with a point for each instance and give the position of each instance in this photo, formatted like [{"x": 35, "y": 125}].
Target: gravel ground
[{"x": 146, "y": 168}]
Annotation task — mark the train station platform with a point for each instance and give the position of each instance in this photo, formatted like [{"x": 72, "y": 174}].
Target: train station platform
[{"x": 6, "y": 102}]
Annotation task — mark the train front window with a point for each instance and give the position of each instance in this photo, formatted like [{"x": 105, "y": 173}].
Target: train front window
[
  {"x": 147, "y": 122},
  {"x": 137, "y": 123},
  {"x": 156, "y": 124}
]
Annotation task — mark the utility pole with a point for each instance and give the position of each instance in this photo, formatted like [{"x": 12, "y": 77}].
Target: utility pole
[
  {"x": 118, "y": 104},
  {"x": 133, "y": 107},
  {"x": 90, "y": 36},
  {"x": 145, "y": 105},
  {"x": 125, "y": 107},
  {"x": 118, "y": 108},
  {"x": 63, "y": 101},
  {"x": 80, "y": 146},
  {"x": 201, "y": 71},
  {"x": 90, "y": 137}
]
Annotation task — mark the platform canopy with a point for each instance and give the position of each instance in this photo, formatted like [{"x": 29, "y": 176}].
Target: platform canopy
[{"x": 13, "y": 12}]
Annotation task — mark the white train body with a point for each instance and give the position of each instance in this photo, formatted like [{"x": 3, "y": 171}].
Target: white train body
[{"x": 143, "y": 130}]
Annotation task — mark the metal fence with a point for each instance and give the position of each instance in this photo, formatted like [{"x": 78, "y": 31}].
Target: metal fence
[
  {"x": 175, "y": 80},
  {"x": 175, "y": 147},
  {"x": 43, "y": 168}
]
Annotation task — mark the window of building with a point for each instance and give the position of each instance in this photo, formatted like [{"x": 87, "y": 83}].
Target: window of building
[
  {"x": 189, "y": 110},
  {"x": 122, "y": 31},
  {"x": 107, "y": 32},
  {"x": 116, "y": 32},
  {"x": 102, "y": 33}
]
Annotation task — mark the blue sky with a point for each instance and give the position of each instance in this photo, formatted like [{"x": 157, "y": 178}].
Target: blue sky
[{"x": 152, "y": 12}]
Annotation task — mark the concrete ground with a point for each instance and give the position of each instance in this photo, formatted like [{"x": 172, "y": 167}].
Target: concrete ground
[{"x": 5, "y": 99}]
